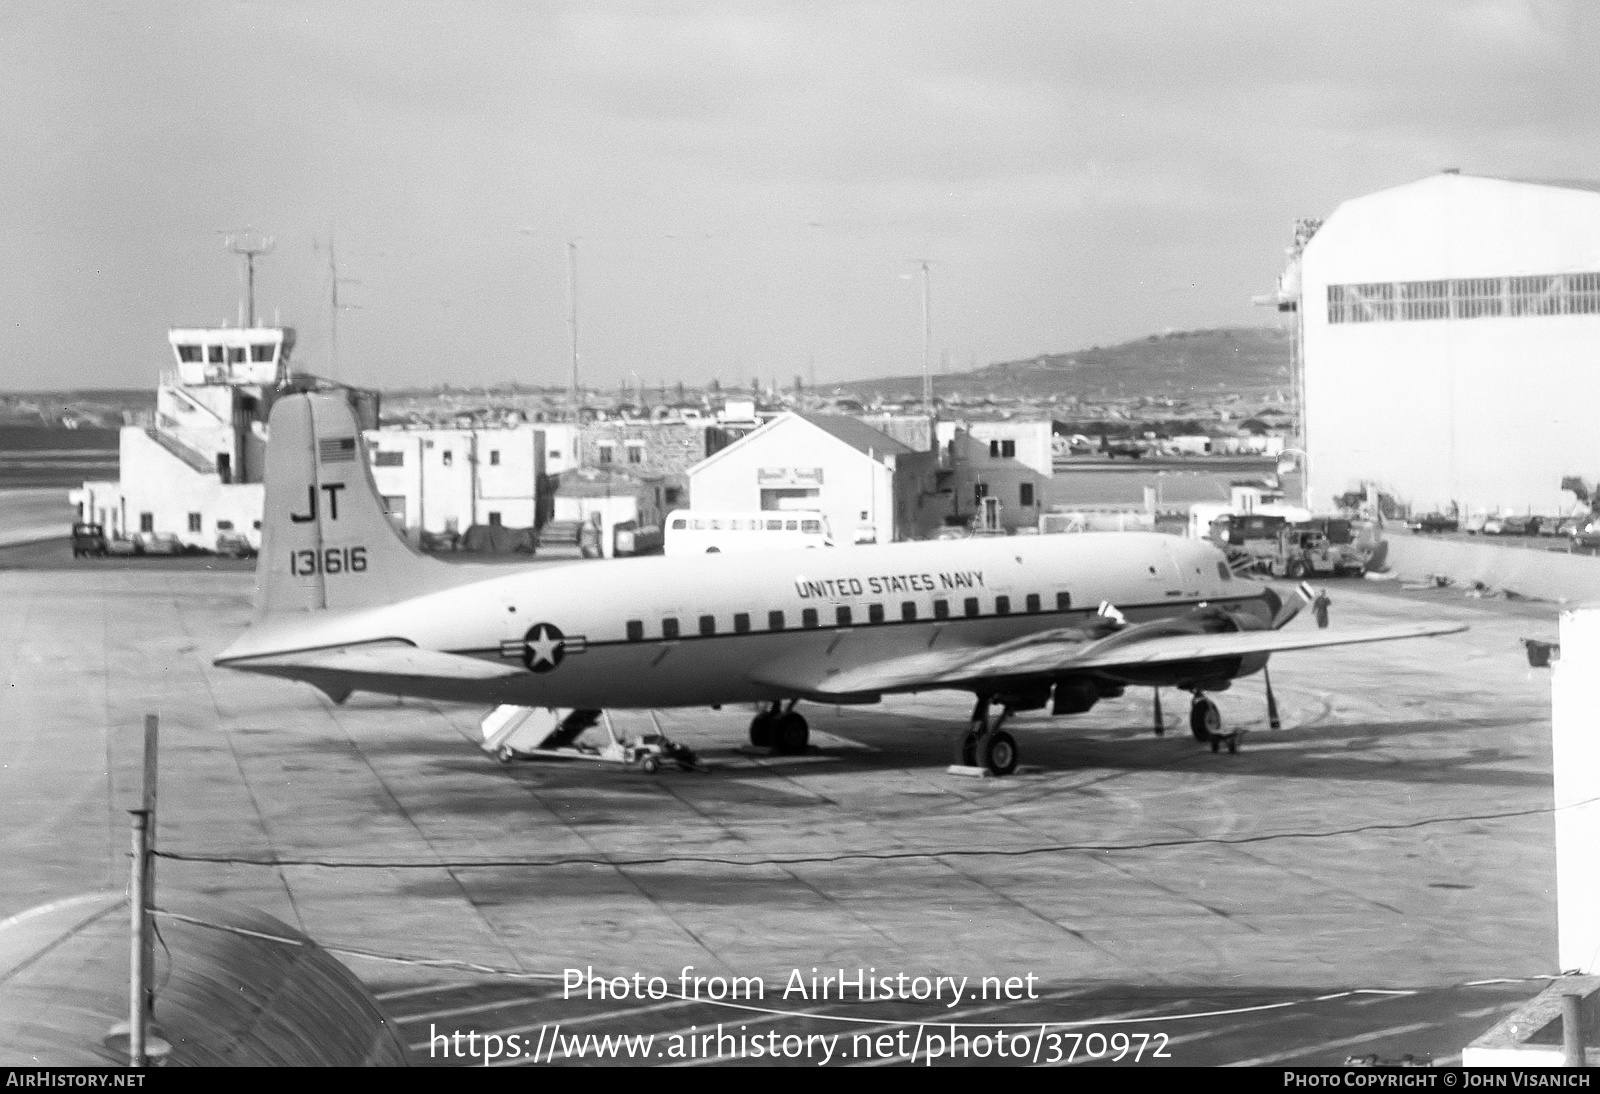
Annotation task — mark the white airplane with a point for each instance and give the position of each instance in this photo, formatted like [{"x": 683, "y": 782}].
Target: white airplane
[{"x": 1022, "y": 623}]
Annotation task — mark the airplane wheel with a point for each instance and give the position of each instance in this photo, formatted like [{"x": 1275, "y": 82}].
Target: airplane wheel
[
  {"x": 791, "y": 735},
  {"x": 967, "y": 750},
  {"x": 1205, "y": 720},
  {"x": 649, "y": 765},
  {"x": 999, "y": 753},
  {"x": 761, "y": 731}
]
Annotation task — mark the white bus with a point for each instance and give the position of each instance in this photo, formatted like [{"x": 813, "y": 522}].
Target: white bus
[{"x": 695, "y": 531}]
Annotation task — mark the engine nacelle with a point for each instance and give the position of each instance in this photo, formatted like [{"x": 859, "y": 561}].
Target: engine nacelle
[
  {"x": 1033, "y": 698},
  {"x": 1074, "y": 695}
]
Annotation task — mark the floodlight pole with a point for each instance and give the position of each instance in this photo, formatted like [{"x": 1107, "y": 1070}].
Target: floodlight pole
[
  {"x": 572, "y": 318},
  {"x": 927, "y": 345}
]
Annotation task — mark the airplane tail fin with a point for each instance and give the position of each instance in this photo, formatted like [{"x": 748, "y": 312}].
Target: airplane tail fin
[{"x": 326, "y": 542}]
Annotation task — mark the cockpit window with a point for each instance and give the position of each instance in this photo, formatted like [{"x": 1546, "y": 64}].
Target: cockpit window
[{"x": 1223, "y": 572}]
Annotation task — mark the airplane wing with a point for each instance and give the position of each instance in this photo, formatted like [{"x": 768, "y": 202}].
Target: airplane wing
[
  {"x": 376, "y": 666},
  {"x": 1067, "y": 650}
]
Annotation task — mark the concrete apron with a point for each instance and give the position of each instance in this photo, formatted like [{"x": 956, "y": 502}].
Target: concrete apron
[{"x": 1543, "y": 575}]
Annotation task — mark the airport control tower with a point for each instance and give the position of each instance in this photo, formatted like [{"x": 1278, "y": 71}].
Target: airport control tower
[{"x": 213, "y": 402}]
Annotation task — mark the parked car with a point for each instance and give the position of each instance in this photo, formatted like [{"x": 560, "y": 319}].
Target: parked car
[
  {"x": 88, "y": 539},
  {"x": 1433, "y": 522},
  {"x": 1586, "y": 539},
  {"x": 1491, "y": 526},
  {"x": 1516, "y": 526},
  {"x": 122, "y": 546},
  {"x": 235, "y": 545},
  {"x": 158, "y": 543}
]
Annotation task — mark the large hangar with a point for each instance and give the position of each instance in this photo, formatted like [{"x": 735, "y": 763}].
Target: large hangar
[{"x": 1451, "y": 344}]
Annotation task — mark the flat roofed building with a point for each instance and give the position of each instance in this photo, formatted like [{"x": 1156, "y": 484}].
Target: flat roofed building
[{"x": 1451, "y": 330}]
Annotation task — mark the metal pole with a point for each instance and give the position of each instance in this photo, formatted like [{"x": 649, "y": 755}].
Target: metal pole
[
  {"x": 139, "y": 978},
  {"x": 927, "y": 346},
  {"x": 572, "y": 318},
  {"x": 1572, "y": 1050}
]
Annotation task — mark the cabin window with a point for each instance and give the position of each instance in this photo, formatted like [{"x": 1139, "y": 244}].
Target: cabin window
[
  {"x": 1223, "y": 572},
  {"x": 842, "y": 617},
  {"x": 811, "y": 526},
  {"x": 774, "y": 525},
  {"x": 741, "y": 623},
  {"x": 941, "y": 609},
  {"x": 1032, "y": 602},
  {"x": 908, "y": 611},
  {"x": 635, "y": 630},
  {"x": 808, "y": 618},
  {"x": 774, "y": 621},
  {"x": 698, "y": 525},
  {"x": 971, "y": 606},
  {"x": 1002, "y": 605},
  {"x": 389, "y": 459},
  {"x": 1063, "y": 601},
  {"x": 679, "y": 525},
  {"x": 708, "y": 626},
  {"x": 791, "y": 526},
  {"x": 669, "y": 628},
  {"x": 874, "y": 613}
]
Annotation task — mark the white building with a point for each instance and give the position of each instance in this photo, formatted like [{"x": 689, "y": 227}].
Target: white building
[
  {"x": 447, "y": 480},
  {"x": 1451, "y": 333},
  {"x": 1026, "y": 441},
  {"x": 871, "y": 487},
  {"x": 195, "y": 471}
]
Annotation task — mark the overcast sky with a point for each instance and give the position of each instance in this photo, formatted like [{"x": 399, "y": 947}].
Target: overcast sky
[{"x": 751, "y": 185}]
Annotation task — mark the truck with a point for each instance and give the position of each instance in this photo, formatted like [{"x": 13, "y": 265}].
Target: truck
[{"x": 1320, "y": 546}]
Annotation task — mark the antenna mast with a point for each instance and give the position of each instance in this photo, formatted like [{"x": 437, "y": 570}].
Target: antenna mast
[
  {"x": 248, "y": 244},
  {"x": 572, "y": 318}
]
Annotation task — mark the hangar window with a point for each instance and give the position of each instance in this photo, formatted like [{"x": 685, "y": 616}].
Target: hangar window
[
  {"x": 669, "y": 628},
  {"x": 1027, "y": 493},
  {"x": 1582, "y": 296},
  {"x": 1534, "y": 296},
  {"x": 808, "y": 617},
  {"x": 741, "y": 623},
  {"x": 1425, "y": 300},
  {"x": 224, "y": 525},
  {"x": 971, "y": 606},
  {"x": 447, "y": 458},
  {"x": 635, "y": 630},
  {"x": 147, "y": 522},
  {"x": 941, "y": 609},
  {"x": 908, "y": 611},
  {"x": 494, "y": 457},
  {"x": 774, "y": 621},
  {"x": 842, "y": 616},
  {"x": 708, "y": 625},
  {"x": 604, "y": 453},
  {"x": 1476, "y": 297},
  {"x": 1032, "y": 602},
  {"x": 1002, "y": 605},
  {"x": 1063, "y": 601},
  {"x": 389, "y": 459},
  {"x": 194, "y": 522}
]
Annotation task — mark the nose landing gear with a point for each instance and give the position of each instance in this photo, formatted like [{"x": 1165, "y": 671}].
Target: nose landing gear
[
  {"x": 985, "y": 744},
  {"x": 1205, "y": 722}
]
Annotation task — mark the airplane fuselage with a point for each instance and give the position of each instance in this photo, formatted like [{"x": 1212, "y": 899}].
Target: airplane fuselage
[{"x": 659, "y": 632}]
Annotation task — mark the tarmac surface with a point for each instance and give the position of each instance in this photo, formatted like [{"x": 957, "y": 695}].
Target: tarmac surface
[{"x": 1338, "y": 888}]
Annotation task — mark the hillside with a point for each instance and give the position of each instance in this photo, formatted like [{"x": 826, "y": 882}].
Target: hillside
[{"x": 1183, "y": 365}]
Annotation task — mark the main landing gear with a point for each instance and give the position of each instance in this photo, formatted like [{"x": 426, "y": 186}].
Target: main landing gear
[
  {"x": 1205, "y": 722},
  {"x": 780, "y": 728},
  {"x": 985, "y": 744}
]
